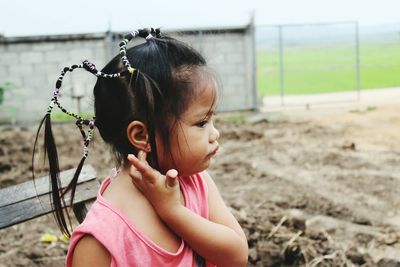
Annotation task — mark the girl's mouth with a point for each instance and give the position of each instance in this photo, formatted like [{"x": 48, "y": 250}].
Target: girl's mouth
[{"x": 214, "y": 152}]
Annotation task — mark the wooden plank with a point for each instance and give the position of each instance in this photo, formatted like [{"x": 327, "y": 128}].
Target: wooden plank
[
  {"x": 41, "y": 186},
  {"x": 37, "y": 206}
]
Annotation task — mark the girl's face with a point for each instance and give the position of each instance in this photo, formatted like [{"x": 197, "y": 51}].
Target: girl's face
[{"x": 194, "y": 138}]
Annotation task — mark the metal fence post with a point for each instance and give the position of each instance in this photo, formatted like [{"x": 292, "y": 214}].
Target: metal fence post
[
  {"x": 281, "y": 66},
  {"x": 357, "y": 47},
  {"x": 109, "y": 45},
  {"x": 200, "y": 40},
  {"x": 253, "y": 63}
]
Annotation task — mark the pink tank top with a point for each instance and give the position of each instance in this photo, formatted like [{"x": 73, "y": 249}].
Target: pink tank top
[{"x": 127, "y": 245}]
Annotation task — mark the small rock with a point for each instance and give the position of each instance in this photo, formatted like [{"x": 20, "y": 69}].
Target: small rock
[
  {"x": 34, "y": 253},
  {"x": 364, "y": 238},
  {"x": 4, "y": 167},
  {"x": 389, "y": 239},
  {"x": 253, "y": 255},
  {"x": 349, "y": 146},
  {"x": 316, "y": 235},
  {"x": 355, "y": 256},
  {"x": 362, "y": 221},
  {"x": 241, "y": 214},
  {"x": 299, "y": 223},
  {"x": 254, "y": 236},
  {"x": 292, "y": 253}
]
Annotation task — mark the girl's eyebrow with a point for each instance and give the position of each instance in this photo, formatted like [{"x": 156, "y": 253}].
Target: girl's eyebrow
[{"x": 204, "y": 112}]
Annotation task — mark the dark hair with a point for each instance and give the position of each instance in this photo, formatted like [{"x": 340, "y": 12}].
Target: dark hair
[{"x": 156, "y": 93}]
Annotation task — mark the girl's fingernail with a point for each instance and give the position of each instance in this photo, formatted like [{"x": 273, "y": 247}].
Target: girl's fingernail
[
  {"x": 172, "y": 173},
  {"x": 130, "y": 157}
]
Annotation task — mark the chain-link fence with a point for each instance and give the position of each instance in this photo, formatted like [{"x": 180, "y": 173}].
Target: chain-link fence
[{"x": 311, "y": 60}]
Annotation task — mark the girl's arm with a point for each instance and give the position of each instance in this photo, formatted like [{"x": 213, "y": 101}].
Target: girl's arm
[
  {"x": 90, "y": 252},
  {"x": 220, "y": 240}
]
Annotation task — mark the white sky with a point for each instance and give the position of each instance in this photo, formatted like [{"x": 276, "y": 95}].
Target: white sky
[{"x": 37, "y": 17}]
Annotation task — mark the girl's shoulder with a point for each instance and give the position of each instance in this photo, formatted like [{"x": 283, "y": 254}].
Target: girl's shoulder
[
  {"x": 90, "y": 252},
  {"x": 138, "y": 215}
]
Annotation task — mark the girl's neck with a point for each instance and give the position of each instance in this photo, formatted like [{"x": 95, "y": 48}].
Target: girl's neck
[{"x": 121, "y": 176}]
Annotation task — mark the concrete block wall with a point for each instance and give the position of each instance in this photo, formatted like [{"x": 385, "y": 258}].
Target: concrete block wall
[
  {"x": 229, "y": 53},
  {"x": 33, "y": 64}
]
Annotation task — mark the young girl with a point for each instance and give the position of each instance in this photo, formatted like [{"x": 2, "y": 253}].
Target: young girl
[{"x": 154, "y": 105}]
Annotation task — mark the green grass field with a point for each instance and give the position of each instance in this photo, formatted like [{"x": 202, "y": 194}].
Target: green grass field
[{"x": 328, "y": 69}]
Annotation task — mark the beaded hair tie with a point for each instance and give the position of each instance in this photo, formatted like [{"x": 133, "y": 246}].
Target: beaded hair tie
[
  {"x": 80, "y": 122},
  {"x": 90, "y": 67},
  {"x": 57, "y": 194}
]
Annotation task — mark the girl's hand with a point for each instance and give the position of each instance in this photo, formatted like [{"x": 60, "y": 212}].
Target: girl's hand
[{"x": 161, "y": 190}]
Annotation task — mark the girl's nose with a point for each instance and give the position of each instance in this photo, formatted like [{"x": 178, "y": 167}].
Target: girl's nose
[{"x": 214, "y": 134}]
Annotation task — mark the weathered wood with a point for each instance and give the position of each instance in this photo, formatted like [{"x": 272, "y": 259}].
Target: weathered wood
[
  {"x": 41, "y": 186},
  {"x": 22, "y": 202}
]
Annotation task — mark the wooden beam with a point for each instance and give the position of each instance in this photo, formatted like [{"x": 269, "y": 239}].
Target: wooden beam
[
  {"x": 23, "y": 202},
  {"x": 41, "y": 186}
]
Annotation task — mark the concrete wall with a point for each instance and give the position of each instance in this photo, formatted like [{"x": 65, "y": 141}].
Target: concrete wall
[
  {"x": 33, "y": 64},
  {"x": 230, "y": 54}
]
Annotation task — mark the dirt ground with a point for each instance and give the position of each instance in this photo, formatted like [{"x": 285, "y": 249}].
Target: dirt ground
[{"x": 310, "y": 188}]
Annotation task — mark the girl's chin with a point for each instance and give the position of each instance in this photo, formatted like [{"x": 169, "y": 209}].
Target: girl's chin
[
  {"x": 193, "y": 169},
  {"x": 192, "y": 172}
]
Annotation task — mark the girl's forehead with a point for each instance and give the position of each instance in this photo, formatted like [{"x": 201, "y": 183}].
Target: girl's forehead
[
  {"x": 205, "y": 100},
  {"x": 206, "y": 88}
]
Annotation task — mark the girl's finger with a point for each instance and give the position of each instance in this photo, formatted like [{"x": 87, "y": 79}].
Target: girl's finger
[
  {"x": 139, "y": 165},
  {"x": 144, "y": 168},
  {"x": 142, "y": 155},
  {"x": 171, "y": 178},
  {"x": 134, "y": 173}
]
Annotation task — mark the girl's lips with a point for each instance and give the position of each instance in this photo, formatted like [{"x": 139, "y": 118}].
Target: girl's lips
[{"x": 214, "y": 151}]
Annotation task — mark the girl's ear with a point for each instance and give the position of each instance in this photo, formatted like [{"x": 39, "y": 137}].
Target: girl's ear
[{"x": 138, "y": 135}]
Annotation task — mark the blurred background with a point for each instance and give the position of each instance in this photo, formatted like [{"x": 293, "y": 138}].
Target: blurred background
[{"x": 267, "y": 53}]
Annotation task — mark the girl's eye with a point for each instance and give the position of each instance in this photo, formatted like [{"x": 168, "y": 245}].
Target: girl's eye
[{"x": 202, "y": 123}]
